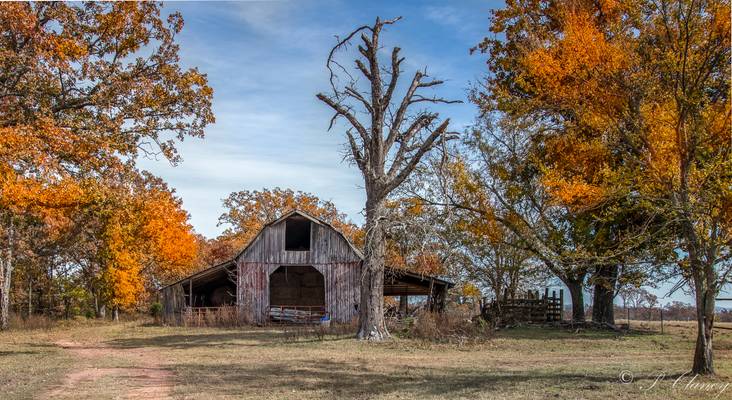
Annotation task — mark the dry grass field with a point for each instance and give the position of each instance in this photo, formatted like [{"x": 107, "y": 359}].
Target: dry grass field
[{"x": 134, "y": 360}]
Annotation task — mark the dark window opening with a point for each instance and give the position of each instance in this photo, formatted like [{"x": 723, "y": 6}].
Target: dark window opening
[{"x": 297, "y": 234}]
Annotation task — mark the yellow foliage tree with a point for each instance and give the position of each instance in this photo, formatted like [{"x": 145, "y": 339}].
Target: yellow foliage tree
[{"x": 146, "y": 240}]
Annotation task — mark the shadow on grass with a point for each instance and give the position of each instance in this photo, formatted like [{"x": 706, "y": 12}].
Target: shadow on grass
[
  {"x": 258, "y": 338},
  {"x": 564, "y": 333},
  {"x": 5, "y": 353},
  {"x": 354, "y": 380}
]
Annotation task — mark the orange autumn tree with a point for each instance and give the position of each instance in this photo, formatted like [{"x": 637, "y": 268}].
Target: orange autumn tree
[
  {"x": 85, "y": 89},
  {"x": 631, "y": 100},
  {"x": 247, "y": 212},
  {"x": 146, "y": 240}
]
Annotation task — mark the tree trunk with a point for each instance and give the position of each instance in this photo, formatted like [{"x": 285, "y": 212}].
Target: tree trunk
[
  {"x": 703, "y": 356},
  {"x": 6, "y": 264},
  {"x": 115, "y": 312},
  {"x": 371, "y": 310},
  {"x": 102, "y": 314},
  {"x": 51, "y": 310},
  {"x": 605, "y": 279},
  {"x": 30, "y": 296},
  {"x": 578, "y": 299},
  {"x": 7, "y": 267}
]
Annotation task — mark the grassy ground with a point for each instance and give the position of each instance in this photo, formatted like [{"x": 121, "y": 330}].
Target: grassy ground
[{"x": 131, "y": 360}]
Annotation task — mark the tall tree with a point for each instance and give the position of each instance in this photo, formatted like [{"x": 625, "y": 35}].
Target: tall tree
[
  {"x": 642, "y": 89},
  {"x": 86, "y": 88},
  {"x": 386, "y": 145},
  {"x": 687, "y": 158},
  {"x": 145, "y": 239}
]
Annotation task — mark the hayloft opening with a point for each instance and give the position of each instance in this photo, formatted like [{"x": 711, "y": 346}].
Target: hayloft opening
[
  {"x": 297, "y": 233},
  {"x": 296, "y": 286}
]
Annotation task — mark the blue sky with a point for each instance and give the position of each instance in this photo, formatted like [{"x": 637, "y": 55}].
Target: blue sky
[{"x": 266, "y": 61}]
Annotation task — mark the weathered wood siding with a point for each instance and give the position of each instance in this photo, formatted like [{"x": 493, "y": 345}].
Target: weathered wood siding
[
  {"x": 174, "y": 301},
  {"x": 329, "y": 253},
  {"x": 327, "y": 247},
  {"x": 342, "y": 290}
]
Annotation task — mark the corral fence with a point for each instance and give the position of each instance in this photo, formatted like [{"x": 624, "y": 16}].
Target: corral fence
[{"x": 532, "y": 307}]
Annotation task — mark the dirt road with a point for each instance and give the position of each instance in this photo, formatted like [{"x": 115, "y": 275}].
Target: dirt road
[{"x": 105, "y": 372}]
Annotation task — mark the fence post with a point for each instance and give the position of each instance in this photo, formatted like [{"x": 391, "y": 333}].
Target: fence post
[
  {"x": 561, "y": 304},
  {"x": 662, "y": 321}
]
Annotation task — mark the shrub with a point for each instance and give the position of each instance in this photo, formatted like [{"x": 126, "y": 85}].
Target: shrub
[
  {"x": 453, "y": 326},
  {"x": 156, "y": 311},
  {"x": 425, "y": 326},
  {"x": 225, "y": 316},
  {"x": 33, "y": 321}
]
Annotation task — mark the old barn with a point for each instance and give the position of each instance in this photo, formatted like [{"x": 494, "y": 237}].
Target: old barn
[{"x": 298, "y": 267}]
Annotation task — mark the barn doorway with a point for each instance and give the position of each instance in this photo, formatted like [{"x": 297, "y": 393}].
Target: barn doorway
[
  {"x": 296, "y": 286},
  {"x": 296, "y": 294}
]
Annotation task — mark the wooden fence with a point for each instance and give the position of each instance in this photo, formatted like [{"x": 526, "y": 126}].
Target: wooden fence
[{"x": 531, "y": 308}]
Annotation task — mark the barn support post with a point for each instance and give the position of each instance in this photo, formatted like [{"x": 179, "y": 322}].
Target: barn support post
[
  {"x": 190, "y": 293},
  {"x": 430, "y": 300},
  {"x": 443, "y": 299},
  {"x": 404, "y": 305}
]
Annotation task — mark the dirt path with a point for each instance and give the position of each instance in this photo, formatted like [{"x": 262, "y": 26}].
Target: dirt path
[{"x": 142, "y": 377}]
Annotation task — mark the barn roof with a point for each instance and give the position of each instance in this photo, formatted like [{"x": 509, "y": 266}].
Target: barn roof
[
  {"x": 393, "y": 272},
  {"x": 306, "y": 215}
]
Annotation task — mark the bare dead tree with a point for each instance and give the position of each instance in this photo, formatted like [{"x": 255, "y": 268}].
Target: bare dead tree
[{"x": 386, "y": 140}]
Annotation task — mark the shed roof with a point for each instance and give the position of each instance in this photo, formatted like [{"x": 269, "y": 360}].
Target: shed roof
[{"x": 204, "y": 273}]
